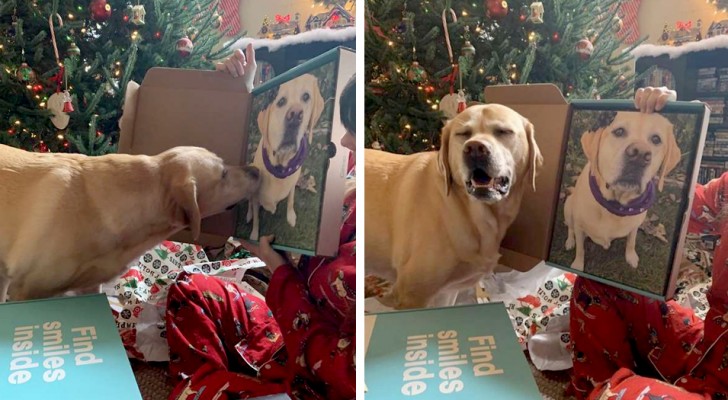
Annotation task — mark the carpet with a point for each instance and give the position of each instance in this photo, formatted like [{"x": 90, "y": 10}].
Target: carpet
[{"x": 154, "y": 384}]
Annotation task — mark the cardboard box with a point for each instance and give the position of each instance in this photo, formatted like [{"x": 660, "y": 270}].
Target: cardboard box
[
  {"x": 211, "y": 109},
  {"x": 527, "y": 241}
]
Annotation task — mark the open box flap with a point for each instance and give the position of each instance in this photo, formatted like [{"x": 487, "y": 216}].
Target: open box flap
[
  {"x": 527, "y": 241},
  {"x": 176, "y": 107}
]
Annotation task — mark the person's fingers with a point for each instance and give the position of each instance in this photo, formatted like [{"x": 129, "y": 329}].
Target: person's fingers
[
  {"x": 666, "y": 96},
  {"x": 238, "y": 59},
  {"x": 651, "y": 101},
  {"x": 253, "y": 248},
  {"x": 220, "y": 67},
  {"x": 231, "y": 68},
  {"x": 638, "y": 98},
  {"x": 249, "y": 53}
]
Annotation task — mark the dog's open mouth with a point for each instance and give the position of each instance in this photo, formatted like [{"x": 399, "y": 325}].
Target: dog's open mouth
[{"x": 482, "y": 185}]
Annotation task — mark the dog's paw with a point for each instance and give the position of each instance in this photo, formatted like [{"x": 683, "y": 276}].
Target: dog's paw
[
  {"x": 578, "y": 265},
  {"x": 570, "y": 243},
  {"x": 632, "y": 258},
  {"x": 291, "y": 218}
]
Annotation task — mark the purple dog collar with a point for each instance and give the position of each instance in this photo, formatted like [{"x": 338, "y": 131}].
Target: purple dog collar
[
  {"x": 284, "y": 171},
  {"x": 634, "y": 207}
]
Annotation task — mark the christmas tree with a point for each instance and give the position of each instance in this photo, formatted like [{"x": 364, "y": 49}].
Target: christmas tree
[
  {"x": 65, "y": 64},
  {"x": 413, "y": 83}
]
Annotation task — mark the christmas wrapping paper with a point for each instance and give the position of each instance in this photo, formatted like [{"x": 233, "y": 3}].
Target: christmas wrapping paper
[{"x": 138, "y": 297}]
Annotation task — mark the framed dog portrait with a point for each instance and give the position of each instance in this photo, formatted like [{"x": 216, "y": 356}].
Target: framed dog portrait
[
  {"x": 294, "y": 141},
  {"x": 626, "y": 185}
]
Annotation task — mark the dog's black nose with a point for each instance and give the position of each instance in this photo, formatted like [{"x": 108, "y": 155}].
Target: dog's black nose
[
  {"x": 476, "y": 149},
  {"x": 294, "y": 116},
  {"x": 638, "y": 155}
]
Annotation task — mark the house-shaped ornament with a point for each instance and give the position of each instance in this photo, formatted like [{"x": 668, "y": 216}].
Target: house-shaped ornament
[{"x": 335, "y": 18}]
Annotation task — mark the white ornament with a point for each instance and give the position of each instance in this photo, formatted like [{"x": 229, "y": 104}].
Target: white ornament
[
  {"x": 55, "y": 104},
  {"x": 137, "y": 15},
  {"x": 449, "y": 105},
  {"x": 376, "y": 146},
  {"x": 536, "y": 12}
]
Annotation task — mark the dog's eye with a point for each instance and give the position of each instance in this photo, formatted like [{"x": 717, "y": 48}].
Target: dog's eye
[
  {"x": 224, "y": 173},
  {"x": 655, "y": 139},
  {"x": 466, "y": 133},
  {"x": 503, "y": 132},
  {"x": 619, "y": 132},
  {"x": 281, "y": 102},
  {"x": 305, "y": 97}
]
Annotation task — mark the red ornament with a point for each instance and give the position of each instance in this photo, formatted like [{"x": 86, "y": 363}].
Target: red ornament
[
  {"x": 184, "y": 46},
  {"x": 43, "y": 147},
  {"x": 584, "y": 48},
  {"x": 555, "y": 37},
  {"x": 65, "y": 143},
  {"x": 67, "y": 104},
  {"x": 100, "y": 10},
  {"x": 496, "y": 9},
  {"x": 157, "y": 35},
  {"x": 37, "y": 88}
]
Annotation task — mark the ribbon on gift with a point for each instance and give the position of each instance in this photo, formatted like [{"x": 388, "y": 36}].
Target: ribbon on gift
[
  {"x": 684, "y": 26},
  {"x": 283, "y": 19}
]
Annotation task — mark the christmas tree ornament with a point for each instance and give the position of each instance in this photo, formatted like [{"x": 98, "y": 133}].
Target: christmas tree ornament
[
  {"x": 496, "y": 9},
  {"x": 622, "y": 81},
  {"x": 184, "y": 46},
  {"x": 449, "y": 105},
  {"x": 468, "y": 50},
  {"x": 137, "y": 14},
  {"x": 376, "y": 145},
  {"x": 192, "y": 33},
  {"x": 592, "y": 35},
  {"x": 216, "y": 20},
  {"x": 128, "y": 12},
  {"x": 524, "y": 13},
  {"x": 584, "y": 48},
  {"x": 555, "y": 37},
  {"x": 100, "y": 10},
  {"x": 416, "y": 73},
  {"x": 461, "y": 101},
  {"x": 158, "y": 35},
  {"x": 73, "y": 50},
  {"x": 25, "y": 73},
  {"x": 536, "y": 12},
  {"x": 665, "y": 33},
  {"x": 55, "y": 104},
  {"x": 617, "y": 24},
  {"x": 67, "y": 102}
]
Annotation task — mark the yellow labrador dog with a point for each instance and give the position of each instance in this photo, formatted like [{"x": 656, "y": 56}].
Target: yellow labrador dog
[
  {"x": 617, "y": 186},
  {"x": 435, "y": 220},
  {"x": 92, "y": 216},
  {"x": 286, "y": 128}
]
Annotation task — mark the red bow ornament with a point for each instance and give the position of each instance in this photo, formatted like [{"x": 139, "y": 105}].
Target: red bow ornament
[
  {"x": 283, "y": 20},
  {"x": 684, "y": 26}
]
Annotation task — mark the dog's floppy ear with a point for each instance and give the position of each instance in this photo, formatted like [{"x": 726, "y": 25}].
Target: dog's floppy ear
[
  {"x": 184, "y": 195},
  {"x": 443, "y": 158},
  {"x": 317, "y": 107},
  {"x": 263, "y": 120},
  {"x": 671, "y": 159},
  {"x": 535, "y": 159},
  {"x": 590, "y": 142}
]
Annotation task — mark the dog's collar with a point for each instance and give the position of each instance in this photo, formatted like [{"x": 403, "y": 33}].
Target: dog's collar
[
  {"x": 284, "y": 171},
  {"x": 634, "y": 207}
]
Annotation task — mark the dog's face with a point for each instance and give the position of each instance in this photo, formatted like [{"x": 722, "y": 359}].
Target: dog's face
[
  {"x": 293, "y": 113},
  {"x": 631, "y": 151},
  {"x": 487, "y": 150},
  {"x": 200, "y": 185}
]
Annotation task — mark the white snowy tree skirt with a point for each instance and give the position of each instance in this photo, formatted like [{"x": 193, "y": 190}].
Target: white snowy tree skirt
[
  {"x": 316, "y": 35},
  {"x": 651, "y": 50}
]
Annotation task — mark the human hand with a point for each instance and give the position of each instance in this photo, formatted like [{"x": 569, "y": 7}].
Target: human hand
[
  {"x": 263, "y": 250},
  {"x": 241, "y": 64},
  {"x": 651, "y": 99}
]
